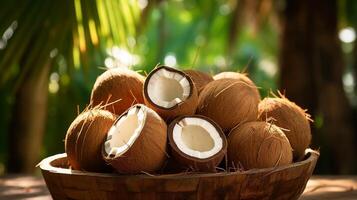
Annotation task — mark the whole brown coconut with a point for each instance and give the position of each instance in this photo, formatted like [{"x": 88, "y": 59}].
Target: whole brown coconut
[
  {"x": 293, "y": 120},
  {"x": 258, "y": 145},
  {"x": 236, "y": 76},
  {"x": 170, "y": 92},
  {"x": 84, "y": 140},
  {"x": 117, "y": 89},
  {"x": 137, "y": 141},
  {"x": 200, "y": 79},
  {"x": 229, "y": 102}
]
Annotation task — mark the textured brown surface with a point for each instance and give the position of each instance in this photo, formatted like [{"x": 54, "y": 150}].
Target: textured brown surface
[
  {"x": 15, "y": 187},
  {"x": 118, "y": 89},
  {"x": 258, "y": 145},
  {"x": 274, "y": 183},
  {"x": 289, "y": 116},
  {"x": 228, "y": 102},
  {"x": 237, "y": 76},
  {"x": 200, "y": 79},
  {"x": 88, "y": 130}
]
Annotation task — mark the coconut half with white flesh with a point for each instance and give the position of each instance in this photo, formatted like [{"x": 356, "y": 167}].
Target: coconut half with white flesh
[
  {"x": 137, "y": 141},
  {"x": 170, "y": 92},
  {"x": 197, "y": 142}
]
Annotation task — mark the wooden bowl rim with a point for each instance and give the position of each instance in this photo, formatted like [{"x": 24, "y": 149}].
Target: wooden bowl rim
[{"x": 45, "y": 165}]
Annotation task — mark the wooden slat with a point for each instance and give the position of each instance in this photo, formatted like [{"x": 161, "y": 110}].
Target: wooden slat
[
  {"x": 13, "y": 187},
  {"x": 286, "y": 182}
]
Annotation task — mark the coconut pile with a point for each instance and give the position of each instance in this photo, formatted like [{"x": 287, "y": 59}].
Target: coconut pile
[{"x": 174, "y": 121}]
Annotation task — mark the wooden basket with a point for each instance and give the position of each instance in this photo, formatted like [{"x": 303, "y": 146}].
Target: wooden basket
[{"x": 287, "y": 182}]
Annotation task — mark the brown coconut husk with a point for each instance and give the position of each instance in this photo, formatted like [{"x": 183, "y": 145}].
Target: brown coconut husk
[
  {"x": 229, "y": 102},
  {"x": 258, "y": 145},
  {"x": 148, "y": 152},
  {"x": 118, "y": 89},
  {"x": 293, "y": 119},
  {"x": 200, "y": 79},
  {"x": 236, "y": 76},
  {"x": 84, "y": 140},
  {"x": 187, "y": 107},
  {"x": 188, "y": 162}
]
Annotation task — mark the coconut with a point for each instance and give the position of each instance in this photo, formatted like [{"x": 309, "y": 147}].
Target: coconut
[
  {"x": 293, "y": 119},
  {"x": 200, "y": 79},
  {"x": 229, "y": 102},
  {"x": 258, "y": 145},
  {"x": 137, "y": 141},
  {"x": 236, "y": 76},
  {"x": 117, "y": 89},
  {"x": 197, "y": 142},
  {"x": 84, "y": 140},
  {"x": 170, "y": 92}
]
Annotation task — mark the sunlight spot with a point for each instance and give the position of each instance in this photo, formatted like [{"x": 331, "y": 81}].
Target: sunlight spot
[
  {"x": 76, "y": 58},
  {"x": 348, "y": 82},
  {"x": 185, "y": 16},
  {"x": 2, "y": 44},
  {"x": 347, "y": 35},
  {"x": 225, "y": 9},
  {"x": 54, "y": 77},
  {"x": 268, "y": 66},
  {"x": 170, "y": 60},
  {"x": 7, "y": 34},
  {"x": 53, "y": 53},
  {"x": 53, "y": 85},
  {"x": 120, "y": 57},
  {"x": 109, "y": 63},
  {"x": 220, "y": 62},
  {"x": 93, "y": 32},
  {"x": 143, "y": 4}
]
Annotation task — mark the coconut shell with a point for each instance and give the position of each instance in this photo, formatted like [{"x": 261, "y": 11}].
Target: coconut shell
[
  {"x": 118, "y": 88},
  {"x": 236, "y": 76},
  {"x": 293, "y": 120},
  {"x": 187, "y": 107},
  {"x": 200, "y": 79},
  {"x": 229, "y": 102},
  {"x": 188, "y": 162},
  {"x": 84, "y": 140},
  {"x": 148, "y": 152},
  {"x": 258, "y": 145}
]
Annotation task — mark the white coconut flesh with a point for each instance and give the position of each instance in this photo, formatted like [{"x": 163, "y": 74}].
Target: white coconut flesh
[
  {"x": 125, "y": 131},
  {"x": 197, "y": 138},
  {"x": 167, "y": 88}
]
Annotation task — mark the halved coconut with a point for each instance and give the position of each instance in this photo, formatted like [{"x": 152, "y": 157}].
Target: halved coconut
[
  {"x": 197, "y": 142},
  {"x": 117, "y": 89},
  {"x": 229, "y": 102},
  {"x": 85, "y": 137},
  {"x": 293, "y": 119},
  {"x": 200, "y": 79},
  {"x": 137, "y": 141},
  {"x": 170, "y": 92},
  {"x": 236, "y": 76},
  {"x": 258, "y": 145}
]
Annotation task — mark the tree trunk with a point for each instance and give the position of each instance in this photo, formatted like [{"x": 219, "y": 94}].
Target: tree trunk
[
  {"x": 28, "y": 122},
  {"x": 311, "y": 72}
]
